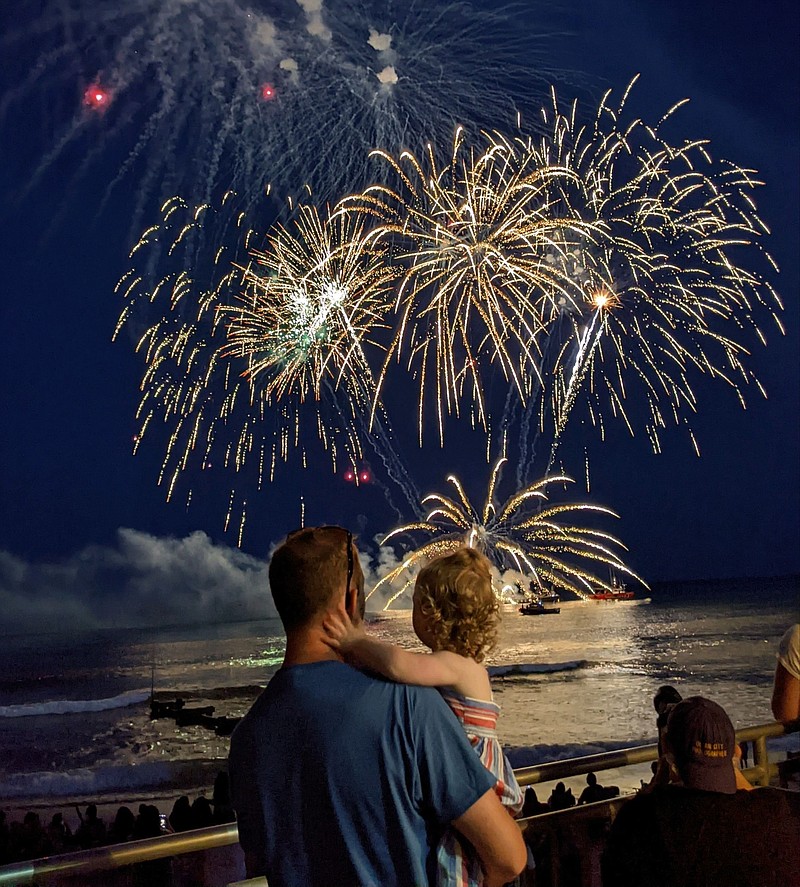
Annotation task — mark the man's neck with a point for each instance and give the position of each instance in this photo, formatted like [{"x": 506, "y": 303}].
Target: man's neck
[{"x": 305, "y": 646}]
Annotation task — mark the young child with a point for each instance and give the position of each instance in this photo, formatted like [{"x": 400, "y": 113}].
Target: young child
[{"x": 456, "y": 615}]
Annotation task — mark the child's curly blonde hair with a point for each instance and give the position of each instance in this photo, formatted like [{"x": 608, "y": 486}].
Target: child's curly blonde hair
[{"x": 456, "y": 598}]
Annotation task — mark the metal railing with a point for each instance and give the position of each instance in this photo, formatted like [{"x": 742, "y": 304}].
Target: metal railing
[
  {"x": 114, "y": 856},
  {"x": 759, "y": 774}
]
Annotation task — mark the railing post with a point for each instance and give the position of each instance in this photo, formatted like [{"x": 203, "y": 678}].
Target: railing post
[
  {"x": 761, "y": 759},
  {"x": 555, "y": 859}
]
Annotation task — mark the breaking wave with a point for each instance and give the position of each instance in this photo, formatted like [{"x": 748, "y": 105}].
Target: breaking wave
[
  {"x": 100, "y": 781},
  {"x": 523, "y": 668},
  {"x": 74, "y": 706}
]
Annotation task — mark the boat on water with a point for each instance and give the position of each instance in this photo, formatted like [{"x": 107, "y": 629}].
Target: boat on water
[
  {"x": 617, "y": 592},
  {"x": 537, "y": 608},
  {"x": 538, "y": 591}
]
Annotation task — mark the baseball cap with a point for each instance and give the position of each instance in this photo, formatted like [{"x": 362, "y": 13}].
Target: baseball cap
[{"x": 701, "y": 738}]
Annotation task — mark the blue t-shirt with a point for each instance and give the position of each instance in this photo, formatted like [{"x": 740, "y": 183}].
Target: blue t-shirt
[{"x": 342, "y": 779}]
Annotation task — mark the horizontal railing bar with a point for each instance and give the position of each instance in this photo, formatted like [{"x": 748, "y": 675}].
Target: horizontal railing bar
[
  {"x": 768, "y": 731},
  {"x": 624, "y": 757},
  {"x": 553, "y": 770},
  {"x": 115, "y": 856},
  {"x": 119, "y": 855}
]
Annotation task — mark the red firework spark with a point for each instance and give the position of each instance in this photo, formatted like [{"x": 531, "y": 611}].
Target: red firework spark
[{"x": 97, "y": 97}]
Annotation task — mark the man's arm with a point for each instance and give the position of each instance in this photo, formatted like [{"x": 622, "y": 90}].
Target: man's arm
[
  {"x": 440, "y": 669},
  {"x": 785, "y": 695},
  {"x": 496, "y": 838},
  {"x": 246, "y": 801}
]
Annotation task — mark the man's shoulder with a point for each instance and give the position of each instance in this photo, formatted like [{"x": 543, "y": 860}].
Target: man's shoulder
[
  {"x": 768, "y": 801},
  {"x": 686, "y": 803},
  {"x": 323, "y": 681},
  {"x": 638, "y": 812},
  {"x": 646, "y": 800}
]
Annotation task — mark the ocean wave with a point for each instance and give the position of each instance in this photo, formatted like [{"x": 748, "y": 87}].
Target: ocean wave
[
  {"x": 523, "y": 668},
  {"x": 95, "y": 782},
  {"x": 74, "y": 706},
  {"x": 531, "y": 755}
]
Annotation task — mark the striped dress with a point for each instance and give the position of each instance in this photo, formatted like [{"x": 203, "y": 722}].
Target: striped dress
[{"x": 457, "y": 864}]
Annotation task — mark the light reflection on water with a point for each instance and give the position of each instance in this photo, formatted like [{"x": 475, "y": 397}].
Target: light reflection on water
[
  {"x": 606, "y": 661},
  {"x": 725, "y": 651}
]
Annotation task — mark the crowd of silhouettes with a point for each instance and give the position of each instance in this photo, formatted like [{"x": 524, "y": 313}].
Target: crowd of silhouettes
[{"x": 30, "y": 839}]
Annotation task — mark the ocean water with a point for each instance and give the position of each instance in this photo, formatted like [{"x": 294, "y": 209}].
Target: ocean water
[{"x": 74, "y": 713}]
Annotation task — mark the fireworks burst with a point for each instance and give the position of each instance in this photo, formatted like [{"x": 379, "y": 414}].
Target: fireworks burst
[
  {"x": 523, "y": 533},
  {"x": 473, "y": 234},
  {"x": 598, "y": 262},
  {"x": 201, "y": 95},
  {"x": 276, "y": 344},
  {"x": 312, "y": 302},
  {"x": 658, "y": 268}
]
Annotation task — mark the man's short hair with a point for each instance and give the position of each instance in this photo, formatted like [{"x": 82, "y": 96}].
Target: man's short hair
[
  {"x": 701, "y": 739},
  {"x": 665, "y": 696},
  {"x": 307, "y": 571}
]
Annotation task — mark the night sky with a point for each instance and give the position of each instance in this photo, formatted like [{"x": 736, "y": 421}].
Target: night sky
[{"x": 68, "y": 481}]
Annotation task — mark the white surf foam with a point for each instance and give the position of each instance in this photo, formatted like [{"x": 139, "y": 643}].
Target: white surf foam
[
  {"x": 74, "y": 706},
  {"x": 499, "y": 671},
  {"x": 99, "y": 781}
]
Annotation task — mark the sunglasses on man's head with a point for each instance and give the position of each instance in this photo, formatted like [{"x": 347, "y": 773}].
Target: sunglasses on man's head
[{"x": 348, "y": 544}]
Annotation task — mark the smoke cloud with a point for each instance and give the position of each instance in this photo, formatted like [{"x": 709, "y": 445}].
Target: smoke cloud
[{"x": 145, "y": 580}]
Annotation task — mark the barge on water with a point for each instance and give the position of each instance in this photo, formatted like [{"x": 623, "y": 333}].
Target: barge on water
[{"x": 537, "y": 608}]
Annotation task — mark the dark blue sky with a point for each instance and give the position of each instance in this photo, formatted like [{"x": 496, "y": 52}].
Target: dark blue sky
[{"x": 68, "y": 395}]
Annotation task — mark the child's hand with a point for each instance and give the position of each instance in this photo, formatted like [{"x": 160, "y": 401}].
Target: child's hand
[{"x": 340, "y": 633}]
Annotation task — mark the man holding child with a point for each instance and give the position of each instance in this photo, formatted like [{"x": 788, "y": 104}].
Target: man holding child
[{"x": 342, "y": 778}]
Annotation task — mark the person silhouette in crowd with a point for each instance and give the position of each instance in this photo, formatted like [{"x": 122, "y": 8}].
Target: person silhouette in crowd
[
  {"x": 202, "y": 815},
  {"x": 148, "y": 822},
  {"x": 123, "y": 826},
  {"x": 5, "y": 855},
  {"x": 593, "y": 792},
  {"x": 531, "y": 805},
  {"x": 92, "y": 830},
  {"x": 561, "y": 798},
  {"x": 666, "y": 697},
  {"x": 59, "y": 834},
  {"x": 221, "y": 799},
  {"x": 34, "y": 840},
  {"x": 181, "y": 816}
]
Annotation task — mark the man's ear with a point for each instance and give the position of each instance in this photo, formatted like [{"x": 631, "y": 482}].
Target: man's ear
[
  {"x": 348, "y": 602},
  {"x": 351, "y": 604}
]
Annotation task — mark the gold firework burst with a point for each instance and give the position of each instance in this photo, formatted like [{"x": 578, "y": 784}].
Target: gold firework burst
[
  {"x": 664, "y": 293},
  {"x": 240, "y": 370},
  {"x": 525, "y": 533},
  {"x": 473, "y": 235}
]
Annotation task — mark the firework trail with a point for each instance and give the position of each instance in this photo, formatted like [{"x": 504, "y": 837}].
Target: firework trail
[
  {"x": 525, "y": 533},
  {"x": 210, "y": 95}
]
